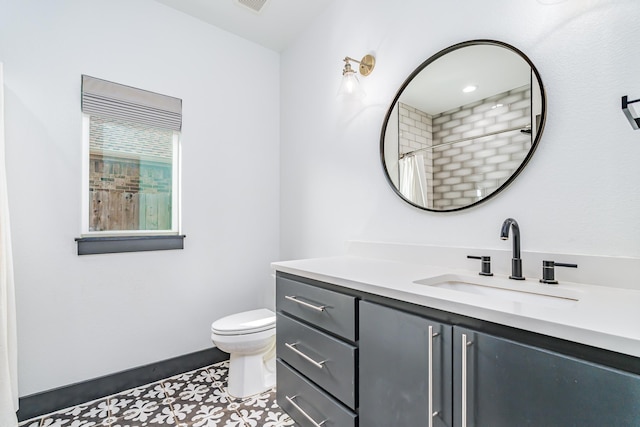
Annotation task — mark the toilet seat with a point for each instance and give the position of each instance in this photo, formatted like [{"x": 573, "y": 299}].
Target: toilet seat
[{"x": 247, "y": 322}]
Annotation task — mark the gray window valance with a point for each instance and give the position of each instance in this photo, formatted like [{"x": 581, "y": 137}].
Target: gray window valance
[{"x": 108, "y": 99}]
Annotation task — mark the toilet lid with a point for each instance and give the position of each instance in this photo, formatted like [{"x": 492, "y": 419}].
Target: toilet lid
[{"x": 246, "y": 322}]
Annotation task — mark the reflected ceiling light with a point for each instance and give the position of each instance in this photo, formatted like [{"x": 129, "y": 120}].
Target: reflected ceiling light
[
  {"x": 497, "y": 106},
  {"x": 350, "y": 84},
  {"x": 469, "y": 88},
  {"x": 632, "y": 114}
]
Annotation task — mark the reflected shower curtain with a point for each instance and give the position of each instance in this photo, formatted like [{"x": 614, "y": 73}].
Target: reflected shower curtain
[
  {"x": 8, "y": 341},
  {"x": 413, "y": 179}
]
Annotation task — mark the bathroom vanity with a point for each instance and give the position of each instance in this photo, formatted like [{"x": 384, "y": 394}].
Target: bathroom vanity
[{"x": 372, "y": 342}]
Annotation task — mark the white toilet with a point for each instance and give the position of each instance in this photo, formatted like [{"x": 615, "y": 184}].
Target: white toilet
[{"x": 250, "y": 339}]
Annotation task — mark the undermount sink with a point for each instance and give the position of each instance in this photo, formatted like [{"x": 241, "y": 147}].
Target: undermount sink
[{"x": 493, "y": 287}]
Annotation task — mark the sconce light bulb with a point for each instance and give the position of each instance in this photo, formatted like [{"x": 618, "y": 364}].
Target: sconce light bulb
[{"x": 350, "y": 83}]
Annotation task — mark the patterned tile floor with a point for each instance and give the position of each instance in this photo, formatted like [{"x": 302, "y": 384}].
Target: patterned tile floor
[{"x": 192, "y": 399}]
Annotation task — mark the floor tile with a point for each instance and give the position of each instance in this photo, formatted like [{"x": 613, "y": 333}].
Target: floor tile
[
  {"x": 147, "y": 406},
  {"x": 193, "y": 399},
  {"x": 197, "y": 398},
  {"x": 213, "y": 416},
  {"x": 190, "y": 385},
  {"x": 263, "y": 411},
  {"x": 85, "y": 415},
  {"x": 220, "y": 372}
]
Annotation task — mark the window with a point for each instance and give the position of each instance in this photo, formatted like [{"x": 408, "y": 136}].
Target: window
[{"x": 131, "y": 141}]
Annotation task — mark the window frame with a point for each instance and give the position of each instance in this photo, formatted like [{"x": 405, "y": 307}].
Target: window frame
[
  {"x": 114, "y": 241},
  {"x": 175, "y": 189}
]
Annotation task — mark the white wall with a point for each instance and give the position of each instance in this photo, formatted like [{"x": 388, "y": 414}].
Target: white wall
[
  {"x": 83, "y": 317},
  {"x": 579, "y": 194}
]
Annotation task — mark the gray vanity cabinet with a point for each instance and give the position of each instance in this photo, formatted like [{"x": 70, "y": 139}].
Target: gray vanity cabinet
[
  {"x": 317, "y": 354},
  {"x": 411, "y": 366},
  {"x": 405, "y": 369},
  {"x": 502, "y": 383}
]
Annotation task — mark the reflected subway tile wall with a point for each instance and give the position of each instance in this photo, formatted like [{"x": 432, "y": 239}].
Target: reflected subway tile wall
[{"x": 461, "y": 173}]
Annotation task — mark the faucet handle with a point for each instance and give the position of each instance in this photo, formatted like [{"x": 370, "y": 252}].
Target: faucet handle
[
  {"x": 486, "y": 264},
  {"x": 548, "y": 271}
]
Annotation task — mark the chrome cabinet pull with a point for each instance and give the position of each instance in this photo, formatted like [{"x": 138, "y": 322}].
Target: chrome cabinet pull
[
  {"x": 465, "y": 344},
  {"x": 293, "y": 348},
  {"x": 307, "y": 416},
  {"x": 431, "y": 413},
  {"x": 306, "y": 304}
]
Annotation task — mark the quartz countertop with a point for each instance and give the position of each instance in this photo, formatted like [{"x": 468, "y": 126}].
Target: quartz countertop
[{"x": 603, "y": 316}]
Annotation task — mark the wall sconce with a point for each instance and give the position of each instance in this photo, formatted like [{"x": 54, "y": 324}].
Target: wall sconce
[
  {"x": 350, "y": 84},
  {"x": 633, "y": 115}
]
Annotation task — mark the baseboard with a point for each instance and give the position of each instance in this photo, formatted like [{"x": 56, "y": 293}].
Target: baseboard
[{"x": 49, "y": 401}]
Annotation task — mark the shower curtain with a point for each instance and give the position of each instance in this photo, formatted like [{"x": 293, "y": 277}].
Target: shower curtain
[
  {"x": 413, "y": 179},
  {"x": 8, "y": 341}
]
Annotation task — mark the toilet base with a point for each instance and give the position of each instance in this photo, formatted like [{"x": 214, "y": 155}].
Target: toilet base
[{"x": 250, "y": 375}]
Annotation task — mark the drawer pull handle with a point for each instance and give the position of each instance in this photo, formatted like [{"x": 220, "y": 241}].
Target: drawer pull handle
[
  {"x": 307, "y": 416},
  {"x": 293, "y": 348},
  {"x": 465, "y": 344},
  {"x": 433, "y": 413},
  {"x": 306, "y": 304}
]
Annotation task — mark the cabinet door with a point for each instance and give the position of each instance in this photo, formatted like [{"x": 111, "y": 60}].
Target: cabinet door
[
  {"x": 498, "y": 382},
  {"x": 405, "y": 369}
]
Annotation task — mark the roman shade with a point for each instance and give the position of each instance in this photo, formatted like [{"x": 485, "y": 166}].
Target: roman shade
[{"x": 107, "y": 99}]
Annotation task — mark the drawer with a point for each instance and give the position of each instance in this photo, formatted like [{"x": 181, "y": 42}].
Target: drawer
[
  {"x": 305, "y": 402},
  {"x": 328, "y": 310},
  {"x": 325, "y": 360}
]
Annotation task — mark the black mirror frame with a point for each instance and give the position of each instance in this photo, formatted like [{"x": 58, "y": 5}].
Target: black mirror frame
[{"x": 534, "y": 145}]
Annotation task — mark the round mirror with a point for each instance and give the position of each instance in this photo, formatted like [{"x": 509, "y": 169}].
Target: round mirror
[{"x": 463, "y": 125}]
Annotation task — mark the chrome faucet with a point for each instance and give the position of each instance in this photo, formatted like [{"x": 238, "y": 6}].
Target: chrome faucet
[{"x": 516, "y": 262}]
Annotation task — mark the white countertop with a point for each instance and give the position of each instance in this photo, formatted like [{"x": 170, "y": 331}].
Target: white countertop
[{"x": 603, "y": 316}]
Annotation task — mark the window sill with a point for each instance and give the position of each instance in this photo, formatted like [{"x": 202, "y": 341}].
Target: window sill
[{"x": 117, "y": 244}]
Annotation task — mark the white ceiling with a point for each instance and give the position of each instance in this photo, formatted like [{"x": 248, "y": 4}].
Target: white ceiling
[{"x": 274, "y": 27}]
